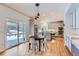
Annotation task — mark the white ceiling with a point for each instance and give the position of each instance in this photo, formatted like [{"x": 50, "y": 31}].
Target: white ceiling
[{"x": 48, "y": 11}]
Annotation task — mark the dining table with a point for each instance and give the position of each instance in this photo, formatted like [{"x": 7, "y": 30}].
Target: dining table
[{"x": 40, "y": 39}]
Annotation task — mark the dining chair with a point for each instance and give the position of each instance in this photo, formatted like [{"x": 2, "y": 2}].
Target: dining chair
[
  {"x": 34, "y": 45},
  {"x": 44, "y": 43}
]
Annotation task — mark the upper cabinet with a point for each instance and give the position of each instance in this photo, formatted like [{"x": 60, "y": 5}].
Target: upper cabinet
[
  {"x": 77, "y": 18},
  {"x": 74, "y": 18}
]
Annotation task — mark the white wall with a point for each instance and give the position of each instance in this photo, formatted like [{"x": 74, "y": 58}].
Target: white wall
[{"x": 6, "y": 13}]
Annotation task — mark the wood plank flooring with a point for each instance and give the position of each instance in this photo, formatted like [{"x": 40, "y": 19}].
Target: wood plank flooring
[
  {"x": 57, "y": 48},
  {"x": 54, "y": 48}
]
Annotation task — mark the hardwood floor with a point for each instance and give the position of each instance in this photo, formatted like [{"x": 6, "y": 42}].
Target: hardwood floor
[
  {"x": 57, "y": 48},
  {"x": 54, "y": 48}
]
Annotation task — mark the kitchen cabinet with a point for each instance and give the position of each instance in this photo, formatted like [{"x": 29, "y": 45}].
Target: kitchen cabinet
[
  {"x": 75, "y": 50},
  {"x": 74, "y": 18},
  {"x": 72, "y": 28},
  {"x": 68, "y": 42},
  {"x": 77, "y": 18},
  {"x": 72, "y": 21}
]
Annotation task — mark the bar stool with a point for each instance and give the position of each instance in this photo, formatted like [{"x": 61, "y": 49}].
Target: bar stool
[{"x": 52, "y": 36}]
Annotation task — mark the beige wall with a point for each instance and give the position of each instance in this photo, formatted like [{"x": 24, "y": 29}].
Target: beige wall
[{"x": 6, "y": 13}]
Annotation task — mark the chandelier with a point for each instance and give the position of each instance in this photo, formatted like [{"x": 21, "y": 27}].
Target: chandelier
[
  {"x": 36, "y": 27},
  {"x": 38, "y": 14}
]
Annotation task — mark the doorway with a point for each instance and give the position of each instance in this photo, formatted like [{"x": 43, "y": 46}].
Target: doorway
[{"x": 15, "y": 33}]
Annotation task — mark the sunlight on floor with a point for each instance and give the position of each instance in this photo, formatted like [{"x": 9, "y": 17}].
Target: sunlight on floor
[{"x": 53, "y": 41}]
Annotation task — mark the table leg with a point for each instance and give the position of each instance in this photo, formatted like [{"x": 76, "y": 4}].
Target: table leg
[{"x": 39, "y": 45}]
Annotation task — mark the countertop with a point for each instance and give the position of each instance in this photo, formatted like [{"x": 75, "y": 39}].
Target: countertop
[
  {"x": 75, "y": 36},
  {"x": 75, "y": 41}
]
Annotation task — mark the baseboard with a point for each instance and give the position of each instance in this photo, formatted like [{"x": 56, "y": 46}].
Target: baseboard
[{"x": 2, "y": 51}]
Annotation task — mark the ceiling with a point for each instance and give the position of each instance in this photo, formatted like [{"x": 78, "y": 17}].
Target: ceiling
[{"x": 48, "y": 11}]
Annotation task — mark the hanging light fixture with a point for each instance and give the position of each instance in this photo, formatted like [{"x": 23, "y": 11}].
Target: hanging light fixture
[
  {"x": 36, "y": 20},
  {"x": 38, "y": 14}
]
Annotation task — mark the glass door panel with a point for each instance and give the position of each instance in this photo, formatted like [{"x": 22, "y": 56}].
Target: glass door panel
[
  {"x": 21, "y": 33},
  {"x": 11, "y": 34},
  {"x": 15, "y": 33},
  {"x": 25, "y": 32}
]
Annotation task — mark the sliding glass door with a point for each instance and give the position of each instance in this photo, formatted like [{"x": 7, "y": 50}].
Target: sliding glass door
[
  {"x": 21, "y": 32},
  {"x": 15, "y": 33},
  {"x": 11, "y": 34}
]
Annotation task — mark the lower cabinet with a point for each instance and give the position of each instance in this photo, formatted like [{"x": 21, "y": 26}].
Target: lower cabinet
[
  {"x": 74, "y": 50},
  {"x": 68, "y": 42}
]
